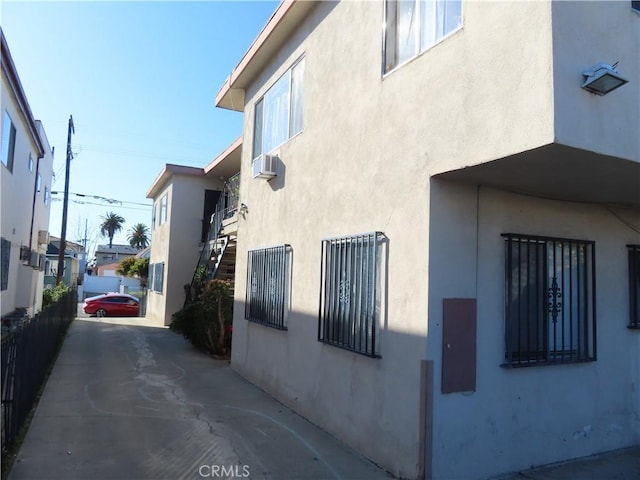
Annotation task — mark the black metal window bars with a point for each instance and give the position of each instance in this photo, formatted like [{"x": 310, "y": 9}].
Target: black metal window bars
[
  {"x": 550, "y": 305},
  {"x": 350, "y": 292},
  {"x": 267, "y": 292},
  {"x": 634, "y": 286}
]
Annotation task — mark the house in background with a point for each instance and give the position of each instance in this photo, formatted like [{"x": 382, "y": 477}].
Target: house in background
[
  {"x": 193, "y": 229},
  {"x": 115, "y": 254},
  {"x": 25, "y": 184},
  {"x": 74, "y": 252},
  {"x": 440, "y": 259}
]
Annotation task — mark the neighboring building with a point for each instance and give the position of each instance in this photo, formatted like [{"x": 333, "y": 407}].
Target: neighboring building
[
  {"x": 25, "y": 183},
  {"x": 184, "y": 236},
  {"x": 489, "y": 320},
  {"x": 115, "y": 254},
  {"x": 73, "y": 254}
]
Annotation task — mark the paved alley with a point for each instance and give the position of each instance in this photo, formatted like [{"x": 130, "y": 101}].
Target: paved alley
[{"x": 127, "y": 401}]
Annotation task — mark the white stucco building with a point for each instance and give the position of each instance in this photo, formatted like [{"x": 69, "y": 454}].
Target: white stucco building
[
  {"x": 25, "y": 177},
  {"x": 489, "y": 320},
  {"x": 184, "y": 198}
]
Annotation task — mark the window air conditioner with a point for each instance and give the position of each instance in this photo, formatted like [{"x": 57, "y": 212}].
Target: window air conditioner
[
  {"x": 25, "y": 253},
  {"x": 34, "y": 261},
  {"x": 265, "y": 166}
]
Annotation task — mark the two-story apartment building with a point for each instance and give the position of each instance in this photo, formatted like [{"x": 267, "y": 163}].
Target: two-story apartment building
[
  {"x": 25, "y": 181},
  {"x": 440, "y": 260},
  {"x": 185, "y": 199}
]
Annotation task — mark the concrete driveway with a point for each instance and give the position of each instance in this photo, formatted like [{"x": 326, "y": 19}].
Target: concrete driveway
[{"x": 128, "y": 400}]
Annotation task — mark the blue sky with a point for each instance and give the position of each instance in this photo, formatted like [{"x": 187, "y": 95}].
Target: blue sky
[{"x": 140, "y": 80}]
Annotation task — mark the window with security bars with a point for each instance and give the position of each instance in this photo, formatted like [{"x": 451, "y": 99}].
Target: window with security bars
[
  {"x": 634, "y": 286},
  {"x": 350, "y": 292},
  {"x": 268, "y": 271},
  {"x": 549, "y": 300}
]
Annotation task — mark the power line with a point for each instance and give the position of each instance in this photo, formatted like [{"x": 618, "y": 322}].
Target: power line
[
  {"x": 103, "y": 199},
  {"x": 80, "y": 202}
]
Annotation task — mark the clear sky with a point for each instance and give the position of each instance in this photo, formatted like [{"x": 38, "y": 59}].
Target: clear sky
[{"x": 140, "y": 79}]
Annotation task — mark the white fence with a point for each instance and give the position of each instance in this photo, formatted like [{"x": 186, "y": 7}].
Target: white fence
[{"x": 94, "y": 285}]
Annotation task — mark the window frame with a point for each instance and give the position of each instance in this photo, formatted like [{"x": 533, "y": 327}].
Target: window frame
[
  {"x": 5, "y": 260},
  {"x": 162, "y": 217},
  {"x": 30, "y": 162},
  {"x": 420, "y": 45},
  {"x": 351, "y": 292},
  {"x": 156, "y": 274},
  {"x": 634, "y": 286},
  {"x": 268, "y": 283},
  {"x": 635, "y": 5},
  {"x": 7, "y": 153},
  {"x": 550, "y": 301},
  {"x": 259, "y": 148}
]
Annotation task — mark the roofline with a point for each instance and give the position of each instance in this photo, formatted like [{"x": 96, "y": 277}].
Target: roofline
[
  {"x": 225, "y": 96},
  {"x": 167, "y": 171},
  {"x": 237, "y": 143},
  {"x": 9, "y": 70}
]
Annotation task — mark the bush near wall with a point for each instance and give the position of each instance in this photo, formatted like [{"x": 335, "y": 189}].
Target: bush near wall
[{"x": 207, "y": 322}]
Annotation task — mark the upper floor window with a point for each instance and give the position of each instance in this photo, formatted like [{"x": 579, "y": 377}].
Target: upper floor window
[
  {"x": 30, "y": 162},
  {"x": 550, "y": 314},
  {"x": 38, "y": 184},
  {"x": 278, "y": 114},
  {"x": 46, "y": 195},
  {"x": 635, "y": 5},
  {"x": 412, "y": 26},
  {"x": 350, "y": 292},
  {"x": 634, "y": 286},
  {"x": 163, "y": 210},
  {"x": 8, "y": 141}
]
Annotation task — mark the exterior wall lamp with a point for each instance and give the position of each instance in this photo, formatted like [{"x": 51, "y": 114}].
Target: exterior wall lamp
[{"x": 602, "y": 78}]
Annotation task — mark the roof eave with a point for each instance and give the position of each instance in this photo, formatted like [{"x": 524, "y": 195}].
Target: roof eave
[{"x": 273, "y": 35}]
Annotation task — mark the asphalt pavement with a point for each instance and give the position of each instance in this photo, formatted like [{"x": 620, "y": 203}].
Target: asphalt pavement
[{"x": 130, "y": 401}]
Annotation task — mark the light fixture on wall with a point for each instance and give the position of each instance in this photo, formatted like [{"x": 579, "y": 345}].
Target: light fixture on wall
[{"x": 602, "y": 78}]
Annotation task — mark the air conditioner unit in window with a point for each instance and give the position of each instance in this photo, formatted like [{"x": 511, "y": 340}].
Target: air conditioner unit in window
[
  {"x": 43, "y": 237},
  {"x": 265, "y": 166},
  {"x": 34, "y": 261},
  {"x": 25, "y": 253}
]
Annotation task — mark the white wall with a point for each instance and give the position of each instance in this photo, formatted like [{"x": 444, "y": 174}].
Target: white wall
[{"x": 536, "y": 415}]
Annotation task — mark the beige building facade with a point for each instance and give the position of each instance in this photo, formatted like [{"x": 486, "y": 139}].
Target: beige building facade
[
  {"x": 183, "y": 200},
  {"x": 26, "y": 174},
  {"x": 437, "y": 259}
]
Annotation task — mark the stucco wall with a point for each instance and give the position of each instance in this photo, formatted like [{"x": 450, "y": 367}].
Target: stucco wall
[
  {"x": 536, "y": 415},
  {"x": 363, "y": 163},
  {"x": 585, "y": 120},
  {"x": 177, "y": 241},
  {"x": 25, "y": 284}
]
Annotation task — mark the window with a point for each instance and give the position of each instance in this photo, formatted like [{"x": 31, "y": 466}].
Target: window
[
  {"x": 163, "y": 210},
  {"x": 30, "y": 162},
  {"x": 156, "y": 274},
  {"x": 634, "y": 286},
  {"x": 549, "y": 300},
  {"x": 635, "y": 5},
  {"x": 153, "y": 216},
  {"x": 412, "y": 26},
  {"x": 8, "y": 141},
  {"x": 350, "y": 292},
  {"x": 5, "y": 255},
  {"x": 278, "y": 115},
  {"x": 46, "y": 195},
  {"x": 267, "y": 286},
  {"x": 38, "y": 184}
]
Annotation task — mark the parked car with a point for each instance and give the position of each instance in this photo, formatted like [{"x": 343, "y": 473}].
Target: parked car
[{"x": 112, "y": 305}]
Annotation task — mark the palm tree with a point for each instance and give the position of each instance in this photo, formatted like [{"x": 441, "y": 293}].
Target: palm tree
[
  {"x": 111, "y": 224},
  {"x": 139, "y": 236}
]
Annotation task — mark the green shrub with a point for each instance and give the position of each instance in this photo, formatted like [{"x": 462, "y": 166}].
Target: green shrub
[
  {"x": 51, "y": 295},
  {"x": 207, "y": 323}
]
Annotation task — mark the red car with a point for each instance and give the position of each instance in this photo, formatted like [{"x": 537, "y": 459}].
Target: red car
[{"x": 112, "y": 305}]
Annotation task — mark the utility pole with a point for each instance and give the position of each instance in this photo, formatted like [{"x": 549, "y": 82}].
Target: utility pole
[{"x": 65, "y": 205}]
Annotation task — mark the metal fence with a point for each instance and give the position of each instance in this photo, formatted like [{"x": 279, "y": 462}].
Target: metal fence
[{"x": 28, "y": 350}]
